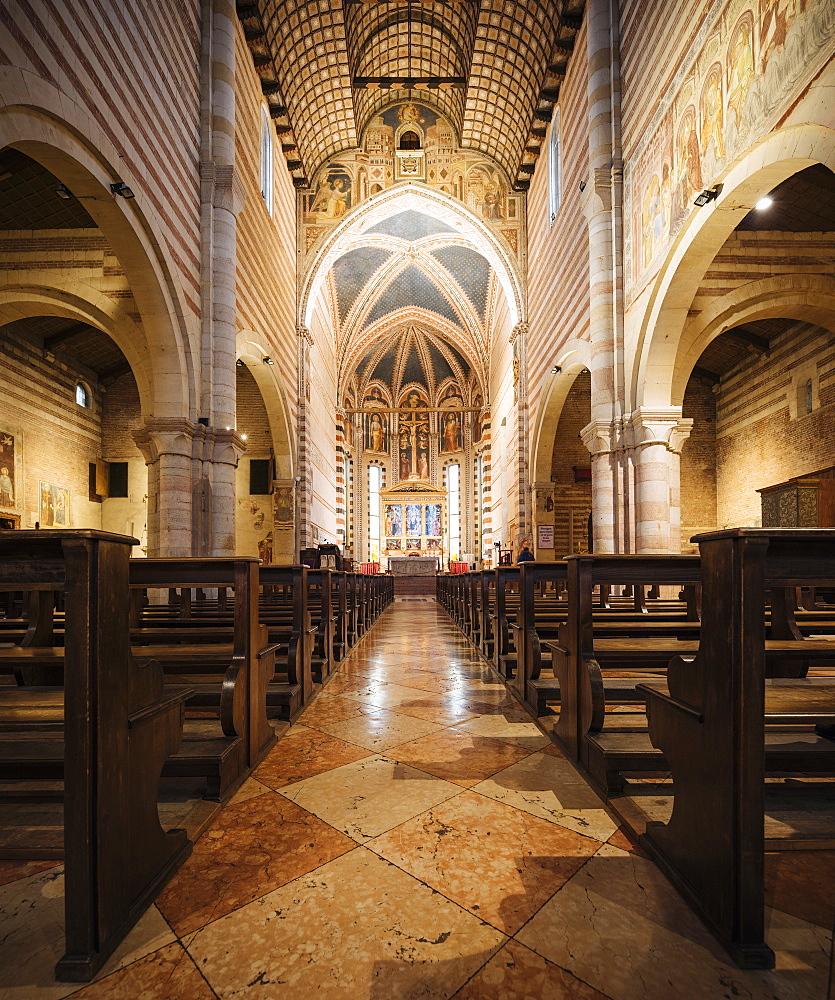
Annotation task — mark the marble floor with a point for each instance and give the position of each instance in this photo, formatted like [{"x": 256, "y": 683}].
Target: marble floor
[{"x": 416, "y": 836}]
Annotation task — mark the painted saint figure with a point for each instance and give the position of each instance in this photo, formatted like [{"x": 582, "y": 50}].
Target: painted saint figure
[
  {"x": 452, "y": 432},
  {"x": 413, "y": 512},
  {"x": 6, "y": 488},
  {"x": 394, "y": 519}
]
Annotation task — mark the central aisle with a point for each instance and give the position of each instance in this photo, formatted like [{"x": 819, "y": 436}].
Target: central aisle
[{"x": 415, "y": 836}]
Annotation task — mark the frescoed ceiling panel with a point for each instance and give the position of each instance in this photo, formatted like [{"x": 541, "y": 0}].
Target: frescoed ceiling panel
[
  {"x": 353, "y": 271},
  {"x": 412, "y": 355},
  {"x": 412, "y": 288},
  {"x": 411, "y": 226},
  {"x": 470, "y": 271}
]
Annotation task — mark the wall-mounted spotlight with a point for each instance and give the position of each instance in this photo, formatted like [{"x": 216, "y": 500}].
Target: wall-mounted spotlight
[
  {"x": 585, "y": 371},
  {"x": 556, "y": 370},
  {"x": 709, "y": 194},
  {"x": 240, "y": 363},
  {"x": 765, "y": 202},
  {"x": 582, "y": 186},
  {"x": 268, "y": 360},
  {"x": 121, "y": 189},
  {"x": 63, "y": 192}
]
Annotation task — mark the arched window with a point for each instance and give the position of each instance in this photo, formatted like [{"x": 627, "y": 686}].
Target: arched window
[
  {"x": 453, "y": 485},
  {"x": 410, "y": 140},
  {"x": 809, "y": 396},
  {"x": 82, "y": 394},
  {"x": 375, "y": 482},
  {"x": 554, "y": 168},
  {"x": 266, "y": 159}
]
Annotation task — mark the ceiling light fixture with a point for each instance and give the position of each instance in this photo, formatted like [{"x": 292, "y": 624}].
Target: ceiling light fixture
[
  {"x": 709, "y": 194},
  {"x": 765, "y": 202},
  {"x": 122, "y": 190}
]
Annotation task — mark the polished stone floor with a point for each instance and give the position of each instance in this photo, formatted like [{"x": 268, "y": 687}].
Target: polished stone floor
[{"x": 416, "y": 836}]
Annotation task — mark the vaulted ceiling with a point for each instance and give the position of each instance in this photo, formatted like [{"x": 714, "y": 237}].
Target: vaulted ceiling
[
  {"x": 494, "y": 68},
  {"x": 411, "y": 271}
]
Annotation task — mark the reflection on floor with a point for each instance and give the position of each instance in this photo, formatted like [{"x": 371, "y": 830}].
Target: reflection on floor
[{"x": 416, "y": 836}]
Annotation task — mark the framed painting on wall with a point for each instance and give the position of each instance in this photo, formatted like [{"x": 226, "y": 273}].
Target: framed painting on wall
[
  {"x": 11, "y": 480},
  {"x": 53, "y": 506}
]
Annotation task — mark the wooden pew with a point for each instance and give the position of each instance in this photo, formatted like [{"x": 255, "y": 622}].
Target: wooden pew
[
  {"x": 504, "y": 608},
  {"x": 711, "y": 726},
  {"x": 230, "y": 676},
  {"x": 540, "y": 616},
  {"x": 284, "y": 611},
  {"x": 586, "y": 640},
  {"x": 119, "y": 727}
]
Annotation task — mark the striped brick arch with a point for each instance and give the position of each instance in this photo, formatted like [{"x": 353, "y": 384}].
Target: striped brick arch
[{"x": 656, "y": 377}]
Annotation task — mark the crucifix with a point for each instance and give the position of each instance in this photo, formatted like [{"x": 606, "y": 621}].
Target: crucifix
[{"x": 413, "y": 438}]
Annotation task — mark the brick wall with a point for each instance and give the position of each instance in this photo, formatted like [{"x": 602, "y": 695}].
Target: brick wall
[
  {"x": 763, "y": 437},
  {"x": 56, "y": 439},
  {"x": 698, "y": 462}
]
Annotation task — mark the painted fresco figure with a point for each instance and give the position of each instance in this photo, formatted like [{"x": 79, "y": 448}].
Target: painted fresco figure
[
  {"x": 376, "y": 433},
  {"x": 6, "y": 488},
  {"x": 394, "y": 519},
  {"x": 452, "y": 432},
  {"x": 413, "y": 512}
]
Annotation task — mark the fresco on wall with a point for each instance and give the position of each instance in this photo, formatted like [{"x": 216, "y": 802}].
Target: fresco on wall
[
  {"x": 478, "y": 419},
  {"x": 747, "y": 59},
  {"x": 53, "y": 506},
  {"x": 376, "y": 433},
  {"x": 8, "y": 485},
  {"x": 451, "y": 436},
  {"x": 394, "y": 519},
  {"x": 410, "y": 141}
]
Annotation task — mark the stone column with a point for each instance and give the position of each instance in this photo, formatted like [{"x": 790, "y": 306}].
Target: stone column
[
  {"x": 658, "y": 436},
  {"x": 602, "y": 206},
  {"x": 167, "y": 446},
  {"x": 221, "y": 199},
  {"x": 304, "y": 480},
  {"x": 518, "y": 340},
  {"x": 284, "y": 521},
  {"x": 604, "y": 440},
  {"x": 224, "y": 449}
]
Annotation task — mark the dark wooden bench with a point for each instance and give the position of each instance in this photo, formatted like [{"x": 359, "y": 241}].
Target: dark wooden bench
[
  {"x": 713, "y": 719},
  {"x": 119, "y": 726}
]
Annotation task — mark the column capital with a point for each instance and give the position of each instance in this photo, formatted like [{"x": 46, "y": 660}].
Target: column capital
[
  {"x": 603, "y": 437},
  {"x": 165, "y": 436},
  {"x": 303, "y": 333},
  {"x": 224, "y": 446},
  {"x": 520, "y": 330},
  {"x": 664, "y": 426}
]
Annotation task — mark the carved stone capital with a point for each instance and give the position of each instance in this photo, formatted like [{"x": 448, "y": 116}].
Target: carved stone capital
[
  {"x": 225, "y": 447},
  {"x": 165, "y": 436},
  {"x": 602, "y": 437},
  {"x": 664, "y": 427},
  {"x": 520, "y": 330},
  {"x": 303, "y": 333}
]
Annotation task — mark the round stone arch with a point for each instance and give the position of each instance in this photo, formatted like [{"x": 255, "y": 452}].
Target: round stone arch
[
  {"x": 807, "y": 298},
  {"x": 575, "y": 357},
  {"x": 767, "y": 164},
  {"x": 96, "y": 309},
  {"x": 400, "y": 198},
  {"x": 252, "y": 352},
  {"x": 78, "y": 153}
]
